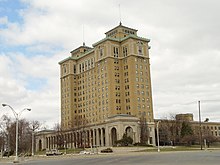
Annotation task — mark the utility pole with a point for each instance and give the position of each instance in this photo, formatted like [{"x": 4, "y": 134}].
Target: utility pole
[
  {"x": 200, "y": 126},
  {"x": 158, "y": 138}
]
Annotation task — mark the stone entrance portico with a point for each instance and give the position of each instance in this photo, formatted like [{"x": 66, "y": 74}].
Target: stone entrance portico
[{"x": 103, "y": 134}]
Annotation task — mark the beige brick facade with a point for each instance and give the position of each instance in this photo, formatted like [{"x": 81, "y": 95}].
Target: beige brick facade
[
  {"x": 105, "y": 90},
  {"x": 111, "y": 78}
]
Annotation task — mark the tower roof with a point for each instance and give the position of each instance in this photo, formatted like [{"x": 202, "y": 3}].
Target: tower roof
[
  {"x": 121, "y": 31},
  {"x": 120, "y": 26}
]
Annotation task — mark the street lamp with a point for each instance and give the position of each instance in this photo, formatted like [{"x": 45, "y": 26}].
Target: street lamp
[
  {"x": 65, "y": 146},
  {"x": 32, "y": 144},
  {"x": 200, "y": 127},
  {"x": 158, "y": 139},
  {"x": 17, "y": 118}
]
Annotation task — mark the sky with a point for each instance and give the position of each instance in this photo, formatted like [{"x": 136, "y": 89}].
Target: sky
[{"x": 185, "y": 51}]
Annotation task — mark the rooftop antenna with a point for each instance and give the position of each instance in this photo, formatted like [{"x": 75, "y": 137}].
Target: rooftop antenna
[
  {"x": 119, "y": 8},
  {"x": 83, "y": 35}
]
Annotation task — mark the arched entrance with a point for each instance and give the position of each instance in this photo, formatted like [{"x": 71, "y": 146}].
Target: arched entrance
[
  {"x": 114, "y": 136},
  {"x": 40, "y": 145},
  {"x": 129, "y": 132}
]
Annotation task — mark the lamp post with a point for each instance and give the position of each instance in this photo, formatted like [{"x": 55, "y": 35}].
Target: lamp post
[
  {"x": 32, "y": 144},
  {"x": 17, "y": 118},
  {"x": 158, "y": 139},
  {"x": 65, "y": 146},
  {"x": 200, "y": 126}
]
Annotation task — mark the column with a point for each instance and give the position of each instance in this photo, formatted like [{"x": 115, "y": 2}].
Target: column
[
  {"x": 102, "y": 139},
  {"x": 107, "y": 142},
  {"x": 71, "y": 140},
  {"x": 97, "y": 137},
  {"x": 89, "y": 138},
  {"x": 49, "y": 142},
  {"x": 93, "y": 136},
  {"x": 76, "y": 140}
]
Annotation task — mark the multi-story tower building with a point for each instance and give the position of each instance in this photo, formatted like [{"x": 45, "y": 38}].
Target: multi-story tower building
[
  {"x": 112, "y": 77},
  {"x": 105, "y": 93}
]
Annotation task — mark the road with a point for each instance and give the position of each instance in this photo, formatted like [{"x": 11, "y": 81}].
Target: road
[{"x": 164, "y": 158}]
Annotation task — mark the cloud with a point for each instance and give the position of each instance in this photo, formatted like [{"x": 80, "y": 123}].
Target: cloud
[
  {"x": 3, "y": 20},
  {"x": 19, "y": 74},
  {"x": 184, "y": 50}
]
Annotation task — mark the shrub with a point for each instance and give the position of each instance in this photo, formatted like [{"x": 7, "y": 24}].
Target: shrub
[{"x": 125, "y": 141}]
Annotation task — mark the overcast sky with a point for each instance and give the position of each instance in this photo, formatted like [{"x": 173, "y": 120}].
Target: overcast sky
[{"x": 185, "y": 51}]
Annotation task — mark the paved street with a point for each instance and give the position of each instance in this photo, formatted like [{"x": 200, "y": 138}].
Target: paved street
[{"x": 166, "y": 158}]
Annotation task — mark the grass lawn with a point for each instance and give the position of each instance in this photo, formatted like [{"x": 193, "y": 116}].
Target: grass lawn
[{"x": 176, "y": 148}]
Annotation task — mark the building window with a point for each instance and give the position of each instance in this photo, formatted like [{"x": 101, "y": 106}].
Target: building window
[
  {"x": 92, "y": 63},
  {"x": 126, "y": 87},
  {"x": 117, "y": 81},
  {"x": 117, "y": 87},
  {"x": 82, "y": 66},
  {"x": 116, "y": 67},
  {"x": 74, "y": 68},
  {"x": 85, "y": 65},
  {"x": 116, "y": 61},
  {"x": 118, "y": 101},
  {"x": 127, "y": 100},
  {"x": 140, "y": 47},
  {"x": 117, "y": 94},
  {"x": 100, "y": 52},
  {"x": 125, "y": 51},
  {"x": 115, "y": 51}
]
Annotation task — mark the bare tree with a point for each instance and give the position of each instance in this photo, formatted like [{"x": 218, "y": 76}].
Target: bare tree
[
  {"x": 33, "y": 126},
  {"x": 187, "y": 134},
  {"x": 170, "y": 130},
  {"x": 24, "y": 136},
  {"x": 8, "y": 133},
  {"x": 144, "y": 136},
  {"x": 79, "y": 125},
  {"x": 60, "y": 135},
  {"x": 208, "y": 135}
]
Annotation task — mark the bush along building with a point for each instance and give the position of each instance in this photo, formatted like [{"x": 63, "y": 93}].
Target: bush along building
[{"x": 105, "y": 94}]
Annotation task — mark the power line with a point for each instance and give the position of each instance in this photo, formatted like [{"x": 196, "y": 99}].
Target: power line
[
  {"x": 210, "y": 100},
  {"x": 189, "y": 103}
]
